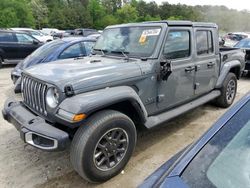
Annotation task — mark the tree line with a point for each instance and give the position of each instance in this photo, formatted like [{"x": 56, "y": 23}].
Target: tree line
[{"x": 71, "y": 14}]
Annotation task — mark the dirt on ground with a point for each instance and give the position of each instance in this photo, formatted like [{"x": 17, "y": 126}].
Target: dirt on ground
[{"x": 24, "y": 166}]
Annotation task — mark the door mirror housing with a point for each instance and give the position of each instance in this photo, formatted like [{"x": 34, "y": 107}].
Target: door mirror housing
[
  {"x": 166, "y": 68},
  {"x": 35, "y": 42}
]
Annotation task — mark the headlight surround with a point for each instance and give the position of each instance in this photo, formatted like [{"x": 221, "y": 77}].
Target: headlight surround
[{"x": 52, "y": 97}]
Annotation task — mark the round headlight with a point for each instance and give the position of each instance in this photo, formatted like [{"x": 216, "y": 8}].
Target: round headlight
[{"x": 52, "y": 97}]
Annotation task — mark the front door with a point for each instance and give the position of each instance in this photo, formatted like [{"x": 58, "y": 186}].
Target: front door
[
  {"x": 179, "y": 87},
  {"x": 206, "y": 62},
  {"x": 25, "y": 45}
]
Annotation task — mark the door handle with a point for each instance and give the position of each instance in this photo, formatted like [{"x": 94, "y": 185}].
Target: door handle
[
  {"x": 189, "y": 69},
  {"x": 210, "y": 64}
]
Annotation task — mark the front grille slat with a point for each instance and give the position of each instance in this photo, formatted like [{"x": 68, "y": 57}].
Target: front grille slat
[
  {"x": 29, "y": 93},
  {"x": 34, "y": 92},
  {"x": 24, "y": 91},
  {"x": 38, "y": 96},
  {"x": 35, "y": 96}
]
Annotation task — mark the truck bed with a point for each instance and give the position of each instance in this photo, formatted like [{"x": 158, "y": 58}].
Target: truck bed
[{"x": 228, "y": 54}]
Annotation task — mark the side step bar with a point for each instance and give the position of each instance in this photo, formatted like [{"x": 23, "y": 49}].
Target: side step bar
[{"x": 153, "y": 121}]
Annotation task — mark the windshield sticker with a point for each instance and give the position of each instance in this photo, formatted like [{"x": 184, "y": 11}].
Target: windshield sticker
[
  {"x": 151, "y": 32},
  {"x": 148, "y": 32},
  {"x": 142, "y": 39}
]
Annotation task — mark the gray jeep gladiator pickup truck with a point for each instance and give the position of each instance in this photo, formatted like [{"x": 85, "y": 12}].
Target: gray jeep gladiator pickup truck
[{"x": 140, "y": 74}]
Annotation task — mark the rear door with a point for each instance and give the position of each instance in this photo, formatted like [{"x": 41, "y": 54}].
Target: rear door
[
  {"x": 179, "y": 87},
  {"x": 8, "y": 46},
  {"x": 207, "y": 61},
  {"x": 26, "y": 44}
]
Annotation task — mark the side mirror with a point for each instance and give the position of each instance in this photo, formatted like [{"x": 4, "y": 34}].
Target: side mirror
[
  {"x": 35, "y": 42},
  {"x": 221, "y": 42},
  {"x": 166, "y": 68}
]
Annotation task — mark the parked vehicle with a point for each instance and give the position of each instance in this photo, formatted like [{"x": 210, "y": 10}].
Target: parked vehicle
[
  {"x": 94, "y": 36},
  {"x": 70, "y": 32},
  {"x": 232, "y": 38},
  {"x": 49, "y": 31},
  {"x": 36, "y": 34},
  {"x": 60, "y": 34},
  {"x": 15, "y": 46},
  {"x": 71, "y": 47},
  {"x": 245, "y": 45},
  {"x": 140, "y": 74},
  {"x": 220, "y": 158},
  {"x": 85, "y": 32}
]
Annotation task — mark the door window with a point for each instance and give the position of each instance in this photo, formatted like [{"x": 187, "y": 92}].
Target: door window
[
  {"x": 88, "y": 47},
  {"x": 177, "y": 45},
  {"x": 23, "y": 38},
  {"x": 71, "y": 52},
  {"x": 6, "y": 37},
  {"x": 204, "y": 42}
]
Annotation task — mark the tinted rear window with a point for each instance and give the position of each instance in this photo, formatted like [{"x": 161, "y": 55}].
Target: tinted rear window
[
  {"x": 6, "y": 37},
  {"x": 204, "y": 42}
]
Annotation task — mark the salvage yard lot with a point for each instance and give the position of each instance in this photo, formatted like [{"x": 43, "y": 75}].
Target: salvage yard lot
[{"x": 24, "y": 166}]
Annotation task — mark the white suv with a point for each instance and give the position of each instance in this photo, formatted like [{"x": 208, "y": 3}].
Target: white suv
[{"x": 36, "y": 34}]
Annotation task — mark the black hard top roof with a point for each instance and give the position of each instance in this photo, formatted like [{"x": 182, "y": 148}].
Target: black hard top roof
[
  {"x": 185, "y": 23},
  {"x": 170, "y": 23}
]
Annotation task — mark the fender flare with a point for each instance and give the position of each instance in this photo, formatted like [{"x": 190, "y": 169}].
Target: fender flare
[
  {"x": 225, "y": 70},
  {"x": 93, "y": 101}
]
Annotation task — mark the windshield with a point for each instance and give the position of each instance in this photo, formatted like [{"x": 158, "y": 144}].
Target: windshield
[
  {"x": 243, "y": 44},
  {"x": 43, "y": 51},
  {"x": 132, "y": 41},
  {"x": 35, "y": 33},
  {"x": 225, "y": 161}
]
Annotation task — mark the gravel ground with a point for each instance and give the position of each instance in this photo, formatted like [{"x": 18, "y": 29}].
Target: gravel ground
[{"x": 24, "y": 166}]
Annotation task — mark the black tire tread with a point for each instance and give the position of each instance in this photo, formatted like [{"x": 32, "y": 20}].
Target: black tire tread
[{"x": 221, "y": 100}]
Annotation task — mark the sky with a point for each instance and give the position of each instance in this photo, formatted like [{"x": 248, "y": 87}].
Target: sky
[{"x": 235, "y": 4}]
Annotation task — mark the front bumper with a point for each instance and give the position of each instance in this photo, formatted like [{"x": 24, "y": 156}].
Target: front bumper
[{"x": 33, "y": 129}]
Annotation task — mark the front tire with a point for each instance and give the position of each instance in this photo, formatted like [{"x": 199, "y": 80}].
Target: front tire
[
  {"x": 103, "y": 145},
  {"x": 228, "y": 91}
]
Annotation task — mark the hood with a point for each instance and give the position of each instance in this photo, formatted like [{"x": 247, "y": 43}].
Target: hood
[
  {"x": 89, "y": 72},
  {"x": 28, "y": 61}
]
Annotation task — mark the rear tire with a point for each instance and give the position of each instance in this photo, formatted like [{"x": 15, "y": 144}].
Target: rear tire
[
  {"x": 103, "y": 145},
  {"x": 228, "y": 91}
]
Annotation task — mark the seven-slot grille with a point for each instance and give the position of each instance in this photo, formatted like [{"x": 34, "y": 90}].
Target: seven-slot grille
[{"x": 34, "y": 94}]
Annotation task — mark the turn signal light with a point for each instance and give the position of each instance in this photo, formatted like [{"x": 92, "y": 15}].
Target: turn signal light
[{"x": 79, "y": 117}]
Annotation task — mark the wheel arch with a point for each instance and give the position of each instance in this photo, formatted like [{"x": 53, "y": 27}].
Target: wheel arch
[
  {"x": 122, "y": 98},
  {"x": 233, "y": 67}
]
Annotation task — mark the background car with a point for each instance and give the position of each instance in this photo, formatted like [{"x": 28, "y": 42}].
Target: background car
[
  {"x": 49, "y": 31},
  {"x": 85, "y": 32},
  {"x": 15, "y": 46},
  {"x": 36, "y": 34},
  {"x": 233, "y": 38},
  {"x": 71, "y": 47},
  {"x": 220, "y": 158},
  {"x": 245, "y": 45}
]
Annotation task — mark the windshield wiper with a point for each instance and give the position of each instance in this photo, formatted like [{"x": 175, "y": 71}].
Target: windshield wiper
[
  {"x": 101, "y": 50},
  {"x": 122, "y": 52}
]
